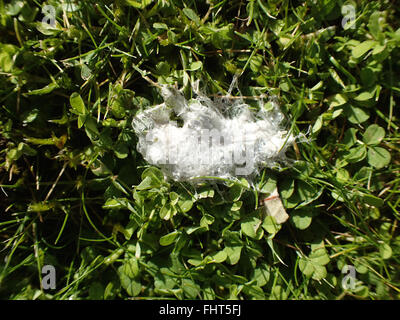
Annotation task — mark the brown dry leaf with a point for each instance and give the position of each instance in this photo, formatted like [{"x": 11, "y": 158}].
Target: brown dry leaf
[{"x": 274, "y": 207}]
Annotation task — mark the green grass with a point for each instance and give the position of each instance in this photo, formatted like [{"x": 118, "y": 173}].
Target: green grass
[{"x": 77, "y": 195}]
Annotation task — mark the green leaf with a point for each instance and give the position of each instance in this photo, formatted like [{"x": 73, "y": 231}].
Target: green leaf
[
  {"x": 337, "y": 196},
  {"x": 233, "y": 254},
  {"x": 206, "y": 220},
  {"x": 96, "y": 291},
  {"x": 196, "y": 65},
  {"x": 99, "y": 168},
  {"x": 132, "y": 287},
  {"x": 190, "y": 288},
  {"x": 7, "y": 52},
  {"x": 365, "y": 96},
  {"x": 91, "y": 128},
  {"x": 251, "y": 227},
  {"x": 113, "y": 204},
  {"x": 218, "y": 257},
  {"x": 317, "y": 125},
  {"x": 235, "y": 192},
  {"x": 152, "y": 178},
  {"x": 191, "y": 15},
  {"x": 386, "y": 251},
  {"x": 159, "y": 25},
  {"x": 236, "y": 206},
  {"x": 374, "y": 25},
  {"x": 139, "y": 4},
  {"x": 205, "y": 192},
  {"x": 30, "y": 115},
  {"x": 244, "y": 183},
  {"x": 278, "y": 293},
  {"x": 319, "y": 256},
  {"x": 301, "y": 218},
  {"x": 86, "y": 72},
  {"x": 261, "y": 275},
  {"x": 356, "y": 154},
  {"x": 129, "y": 229},
  {"x": 286, "y": 188},
  {"x": 121, "y": 150},
  {"x": 14, "y": 7},
  {"x": 314, "y": 265},
  {"x": 26, "y": 149},
  {"x": 185, "y": 204},
  {"x": 378, "y": 157},
  {"x": 147, "y": 183},
  {"x": 221, "y": 38},
  {"x": 374, "y": 134},
  {"x": 45, "y": 90},
  {"x": 41, "y": 206},
  {"x": 307, "y": 193},
  {"x": 255, "y": 292},
  {"x": 356, "y": 115},
  {"x": 77, "y": 104},
  {"x": 167, "y": 211},
  {"x": 154, "y": 173},
  {"x": 256, "y": 62},
  {"x": 48, "y": 29},
  {"x": 337, "y": 100},
  {"x": 174, "y": 198},
  {"x": 232, "y": 238},
  {"x": 14, "y": 154},
  {"x": 361, "y": 49},
  {"x": 195, "y": 261},
  {"x": 342, "y": 175},
  {"x": 270, "y": 225},
  {"x": 319, "y": 272},
  {"x": 193, "y": 229},
  {"x": 372, "y": 200},
  {"x": 350, "y": 137},
  {"x": 131, "y": 268},
  {"x": 269, "y": 185},
  {"x": 306, "y": 267},
  {"x": 368, "y": 76},
  {"x": 169, "y": 238},
  {"x": 81, "y": 120}
]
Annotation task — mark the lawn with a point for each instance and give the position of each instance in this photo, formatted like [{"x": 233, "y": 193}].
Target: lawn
[{"x": 84, "y": 216}]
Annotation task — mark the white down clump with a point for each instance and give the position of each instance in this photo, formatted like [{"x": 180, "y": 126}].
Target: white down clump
[{"x": 202, "y": 138}]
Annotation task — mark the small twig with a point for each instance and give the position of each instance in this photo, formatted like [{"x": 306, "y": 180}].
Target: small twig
[
  {"x": 4, "y": 191},
  {"x": 207, "y": 15},
  {"x": 219, "y": 51},
  {"x": 384, "y": 191},
  {"x": 288, "y": 245},
  {"x": 55, "y": 182}
]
